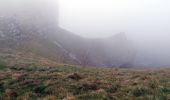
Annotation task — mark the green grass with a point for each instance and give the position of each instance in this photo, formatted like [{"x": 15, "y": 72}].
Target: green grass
[
  {"x": 2, "y": 64},
  {"x": 79, "y": 83}
]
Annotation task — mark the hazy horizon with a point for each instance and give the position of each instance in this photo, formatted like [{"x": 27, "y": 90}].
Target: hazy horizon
[
  {"x": 104, "y": 18},
  {"x": 84, "y": 50},
  {"x": 146, "y": 23}
]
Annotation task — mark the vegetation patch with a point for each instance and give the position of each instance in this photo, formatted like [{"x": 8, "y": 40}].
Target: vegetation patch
[
  {"x": 113, "y": 88},
  {"x": 75, "y": 76},
  {"x": 139, "y": 91},
  {"x": 75, "y": 83},
  {"x": 3, "y": 64}
]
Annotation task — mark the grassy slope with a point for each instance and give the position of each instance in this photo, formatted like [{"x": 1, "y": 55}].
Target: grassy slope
[
  {"x": 25, "y": 59},
  {"x": 73, "y": 83}
]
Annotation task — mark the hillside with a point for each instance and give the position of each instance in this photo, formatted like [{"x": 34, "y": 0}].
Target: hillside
[
  {"x": 37, "y": 31},
  {"x": 41, "y": 61},
  {"x": 64, "y": 82},
  {"x": 62, "y": 46}
]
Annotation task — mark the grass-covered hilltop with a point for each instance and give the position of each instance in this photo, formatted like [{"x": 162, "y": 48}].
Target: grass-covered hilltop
[{"x": 66, "y": 82}]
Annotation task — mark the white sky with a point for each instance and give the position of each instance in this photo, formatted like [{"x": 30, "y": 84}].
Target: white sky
[
  {"x": 103, "y": 18},
  {"x": 145, "y": 22}
]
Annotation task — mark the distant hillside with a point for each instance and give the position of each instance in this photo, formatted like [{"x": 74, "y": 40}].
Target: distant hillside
[
  {"x": 62, "y": 46},
  {"x": 36, "y": 31}
]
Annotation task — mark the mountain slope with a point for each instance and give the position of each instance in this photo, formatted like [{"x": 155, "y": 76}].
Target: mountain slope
[
  {"x": 36, "y": 31},
  {"x": 62, "y": 46}
]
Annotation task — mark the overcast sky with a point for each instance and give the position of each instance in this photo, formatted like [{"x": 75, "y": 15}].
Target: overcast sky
[
  {"x": 102, "y": 18},
  {"x": 145, "y": 22}
]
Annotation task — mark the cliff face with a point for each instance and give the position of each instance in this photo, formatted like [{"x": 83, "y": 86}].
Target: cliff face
[{"x": 33, "y": 27}]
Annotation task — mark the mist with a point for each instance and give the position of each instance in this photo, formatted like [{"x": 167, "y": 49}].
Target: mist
[
  {"x": 84, "y": 50},
  {"x": 146, "y": 23}
]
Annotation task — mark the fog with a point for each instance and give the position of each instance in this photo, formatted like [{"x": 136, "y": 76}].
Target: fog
[
  {"x": 145, "y": 22},
  {"x": 34, "y": 11}
]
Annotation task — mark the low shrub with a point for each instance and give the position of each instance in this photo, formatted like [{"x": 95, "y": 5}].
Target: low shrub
[{"x": 2, "y": 64}]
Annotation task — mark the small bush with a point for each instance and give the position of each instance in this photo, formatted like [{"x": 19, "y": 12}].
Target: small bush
[
  {"x": 2, "y": 64},
  {"x": 1, "y": 88},
  {"x": 75, "y": 76},
  {"x": 40, "y": 90},
  {"x": 162, "y": 93},
  {"x": 31, "y": 68},
  {"x": 10, "y": 93},
  {"x": 114, "y": 88},
  {"x": 84, "y": 87},
  {"x": 139, "y": 91},
  {"x": 153, "y": 84}
]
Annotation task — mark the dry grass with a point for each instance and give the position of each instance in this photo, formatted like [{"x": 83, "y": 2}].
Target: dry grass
[{"x": 76, "y": 83}]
